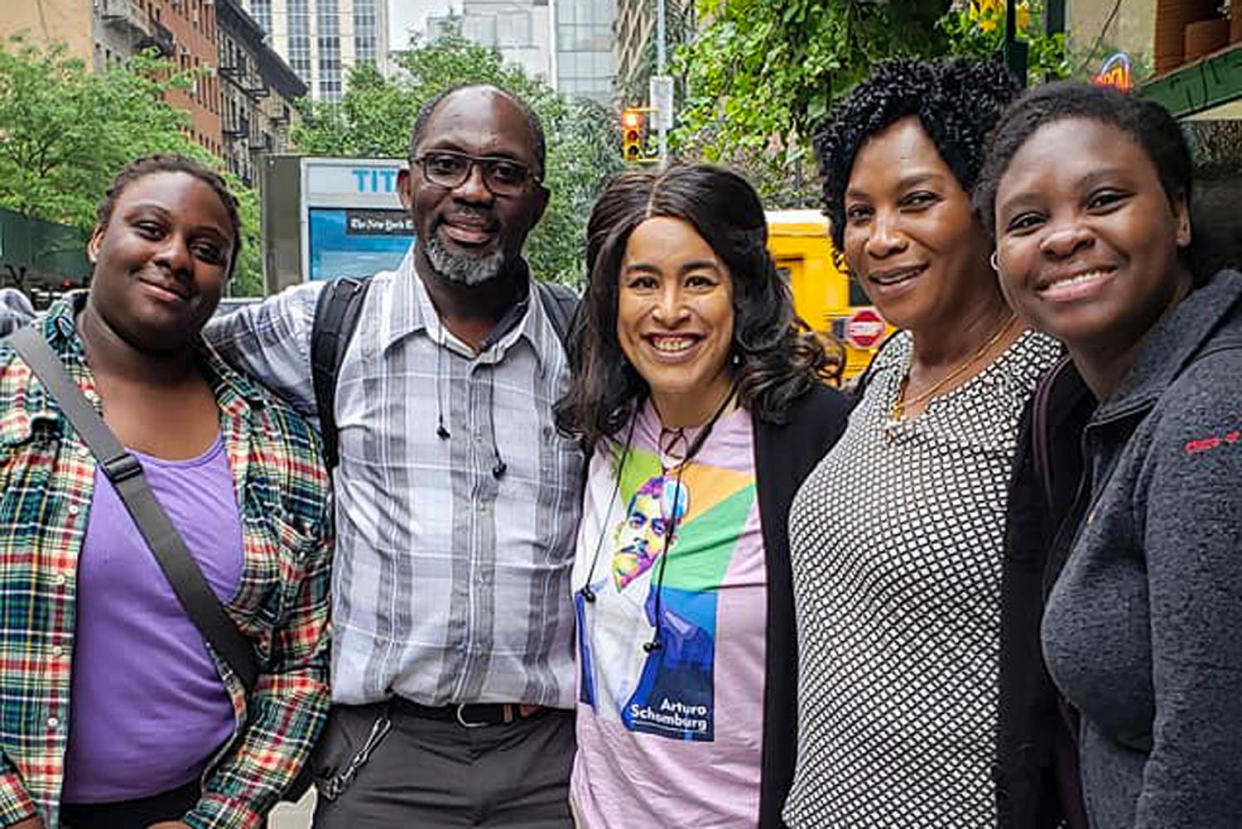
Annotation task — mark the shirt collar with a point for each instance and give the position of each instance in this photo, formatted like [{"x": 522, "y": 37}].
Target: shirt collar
[
  {"x": 410, "y": 310},
  {"x": 1173, "y": 343},
  {"x": 61, "y": 331}
]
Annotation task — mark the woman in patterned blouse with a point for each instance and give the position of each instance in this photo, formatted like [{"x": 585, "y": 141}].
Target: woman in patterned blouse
[
  {"x": 114, "y": 712},
  {"x": 896, "y": 536}
]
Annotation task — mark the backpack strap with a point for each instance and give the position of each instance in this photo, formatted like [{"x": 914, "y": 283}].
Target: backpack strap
[
  {"x": 561, "y": 305},
  {"x": 336, "y": 318},
  {"x": 130, "y": 482}
]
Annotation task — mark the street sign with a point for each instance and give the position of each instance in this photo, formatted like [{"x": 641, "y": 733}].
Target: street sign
[
  {"x": 660, "y": 90},
  {"x": 865, "y": 328}
]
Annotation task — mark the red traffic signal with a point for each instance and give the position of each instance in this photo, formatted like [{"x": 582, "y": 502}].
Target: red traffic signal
[{"x": 632, "y": 134}]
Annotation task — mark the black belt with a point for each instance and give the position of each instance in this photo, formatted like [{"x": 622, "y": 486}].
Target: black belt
[{"x": 474, "y": 715}]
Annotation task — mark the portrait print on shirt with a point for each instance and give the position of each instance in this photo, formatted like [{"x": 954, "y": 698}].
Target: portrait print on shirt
[{"x": 668, "y": 690}]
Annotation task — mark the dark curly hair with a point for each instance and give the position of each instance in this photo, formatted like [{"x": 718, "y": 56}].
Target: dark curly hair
[
  {"x": 957, "y": 100},
  {"x": 778, "y": 358},
  {"x": 152, "y": 164},
  {"x": 1148, "y": 123}
]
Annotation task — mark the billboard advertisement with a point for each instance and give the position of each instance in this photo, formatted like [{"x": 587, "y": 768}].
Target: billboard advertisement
[{"x": 352, "y": 220}]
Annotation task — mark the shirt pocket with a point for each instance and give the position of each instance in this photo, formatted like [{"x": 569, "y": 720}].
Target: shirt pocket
[{"x": 275, "y": 552}]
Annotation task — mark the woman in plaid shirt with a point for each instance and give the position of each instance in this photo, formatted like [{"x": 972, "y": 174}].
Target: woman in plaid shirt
[{"x": 113, "y": 710}]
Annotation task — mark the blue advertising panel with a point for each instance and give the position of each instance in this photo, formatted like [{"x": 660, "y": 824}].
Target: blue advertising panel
[
  {"x": 357, "y": 242},
  {"x": 352, "y": 220}
]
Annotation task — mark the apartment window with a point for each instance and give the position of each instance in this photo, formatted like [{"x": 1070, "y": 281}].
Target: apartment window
[
  {"x": 299, "y": 39},
  {"x": 261, "y": 10},
  {"x": 366, "y": 21},
  {"x": 329, "y": 20}
]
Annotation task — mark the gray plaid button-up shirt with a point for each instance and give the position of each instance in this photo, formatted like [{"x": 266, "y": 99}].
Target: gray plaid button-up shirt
[{"x": 450, "y": 585}]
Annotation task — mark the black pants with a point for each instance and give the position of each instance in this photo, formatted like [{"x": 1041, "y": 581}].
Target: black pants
[
  {"x": 131, "y": 814},
  {"x": 429, "y": 773}
]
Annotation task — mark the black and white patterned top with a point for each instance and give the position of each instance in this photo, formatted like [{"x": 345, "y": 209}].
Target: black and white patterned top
[{"x": 896, "y": 540}]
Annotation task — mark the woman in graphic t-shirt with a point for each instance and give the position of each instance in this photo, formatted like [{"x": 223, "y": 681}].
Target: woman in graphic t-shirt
[{"x": 699, "y": 392}]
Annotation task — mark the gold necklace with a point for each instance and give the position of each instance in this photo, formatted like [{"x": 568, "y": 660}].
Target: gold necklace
[{"x": 899, "y": 405}]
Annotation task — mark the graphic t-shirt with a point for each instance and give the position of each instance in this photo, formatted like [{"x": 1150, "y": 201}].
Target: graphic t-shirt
[{"x": 670, "y": 735}]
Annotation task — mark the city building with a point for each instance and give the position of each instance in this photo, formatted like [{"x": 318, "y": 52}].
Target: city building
[
  {"x": 323, "y": 39},
  {"x": 257, "y": 91},
  {"x": 107, "y": 32},
  {"x": 566, "y": 43},
  {"x": 583, "y": 54},
  {"x": 521, "y": 31},
  {"x": 634, "y": 41}
]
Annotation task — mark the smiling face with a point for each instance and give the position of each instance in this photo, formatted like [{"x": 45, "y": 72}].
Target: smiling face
[
  {"x": 909, "y": 238},
  {"x": 1087, "y": 237},
  {"x": 675, "y": 315},
  {"x": 162, "y": 260},
  {"x": 468, "y": 233}
]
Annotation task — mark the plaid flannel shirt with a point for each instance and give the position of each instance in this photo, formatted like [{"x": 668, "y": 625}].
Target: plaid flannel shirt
[{"x": 46, "y": 485}]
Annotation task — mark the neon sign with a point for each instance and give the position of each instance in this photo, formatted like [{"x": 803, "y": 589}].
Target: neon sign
[{"x": 1115, "y": 72}]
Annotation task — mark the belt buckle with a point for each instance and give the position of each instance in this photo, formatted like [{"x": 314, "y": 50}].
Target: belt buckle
[{"x": 461, "y": 720}]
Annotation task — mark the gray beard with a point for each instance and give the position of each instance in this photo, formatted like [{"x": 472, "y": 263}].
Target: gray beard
[{"x": 467, "y": 270}]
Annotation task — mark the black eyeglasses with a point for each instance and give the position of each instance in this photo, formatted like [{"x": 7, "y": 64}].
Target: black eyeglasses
[{"x": 447, "y": 168}]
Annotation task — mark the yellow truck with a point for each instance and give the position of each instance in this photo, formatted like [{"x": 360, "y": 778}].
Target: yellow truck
[{"x": 823, "y": 296}]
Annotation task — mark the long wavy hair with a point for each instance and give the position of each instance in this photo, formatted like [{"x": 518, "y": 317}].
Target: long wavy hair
[{"x": 775, "y": 357}]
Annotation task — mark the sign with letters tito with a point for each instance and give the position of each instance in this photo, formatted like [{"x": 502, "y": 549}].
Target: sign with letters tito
[{"x": 352, "y": 220}]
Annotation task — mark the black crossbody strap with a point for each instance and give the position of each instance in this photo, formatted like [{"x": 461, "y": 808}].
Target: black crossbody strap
[{"x": 126, "y": 475}]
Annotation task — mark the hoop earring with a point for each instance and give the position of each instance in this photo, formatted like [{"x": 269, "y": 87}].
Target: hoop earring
[{"x": 995, "y": 261}]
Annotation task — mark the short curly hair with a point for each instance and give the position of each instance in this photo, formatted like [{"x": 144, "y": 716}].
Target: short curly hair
[
  {"x": 1147, "y": 122},
  {"x": 957, "y": 100}
]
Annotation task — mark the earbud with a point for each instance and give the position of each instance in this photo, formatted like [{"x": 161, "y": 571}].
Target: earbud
[
  {"x": 652, "y": 646},
  {"x": 587, "y": 593},
  {"x": 441, "y": 432},
  {"x": 498, "y": 470}
]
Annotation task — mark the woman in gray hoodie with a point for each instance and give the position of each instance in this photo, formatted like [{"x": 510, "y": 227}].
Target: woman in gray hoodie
[{"x": 1088, "y": 190}]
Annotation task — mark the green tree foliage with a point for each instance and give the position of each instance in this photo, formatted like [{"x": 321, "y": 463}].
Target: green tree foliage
[
  {"x": 65, "y": 132},
  {"x": 978, "y": 29},
  {"x": 374, "y": 118},
  {"x": 761, "y": 73}
]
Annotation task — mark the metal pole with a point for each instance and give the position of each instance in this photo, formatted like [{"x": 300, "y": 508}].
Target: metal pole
[
  {"x": 1015, "y": 51},
  {"x": 660, "y": 58}
]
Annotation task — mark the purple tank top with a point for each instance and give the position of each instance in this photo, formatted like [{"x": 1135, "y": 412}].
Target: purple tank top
[{"x": 148, "y": 708}]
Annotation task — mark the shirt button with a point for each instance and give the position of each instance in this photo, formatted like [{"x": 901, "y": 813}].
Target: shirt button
[
  {"x": 60, "y": 580},
  {"x": 57, "y": 650},
  {"x": 83, "y": 451},
  {"x": 74, "y": 509},
  {"x": 53, "y": 722}
]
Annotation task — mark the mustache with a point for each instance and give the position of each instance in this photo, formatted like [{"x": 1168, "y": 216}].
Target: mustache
[{"x": 477, "y": 215}]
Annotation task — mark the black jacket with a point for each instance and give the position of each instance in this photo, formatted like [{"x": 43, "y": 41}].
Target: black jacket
[
  {"x": 784, "y": 455},
  {"x": 1036, "y": 769}
]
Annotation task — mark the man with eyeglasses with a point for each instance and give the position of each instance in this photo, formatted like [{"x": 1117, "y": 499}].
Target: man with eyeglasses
[{"x": 456, "y": 500}]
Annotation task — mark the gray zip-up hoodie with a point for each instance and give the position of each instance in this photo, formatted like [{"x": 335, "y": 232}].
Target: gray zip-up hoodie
[{"x": 1143, "y": 630}]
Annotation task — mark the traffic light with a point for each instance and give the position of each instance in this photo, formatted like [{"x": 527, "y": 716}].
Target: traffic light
[{"x": 632, "y": 134}]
